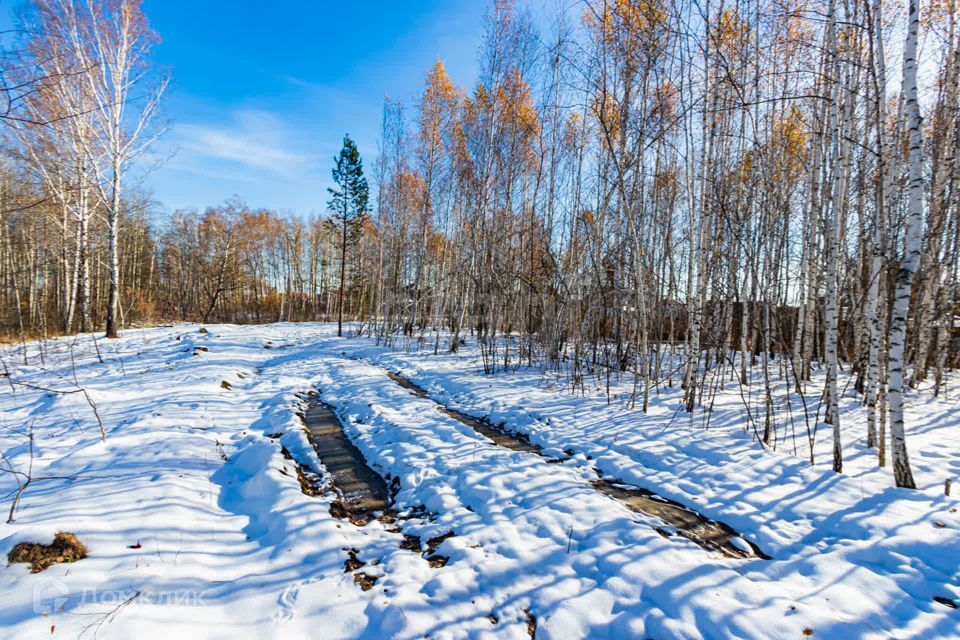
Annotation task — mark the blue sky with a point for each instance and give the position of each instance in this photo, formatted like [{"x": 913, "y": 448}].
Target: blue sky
[{"x": 262, "y": 93}]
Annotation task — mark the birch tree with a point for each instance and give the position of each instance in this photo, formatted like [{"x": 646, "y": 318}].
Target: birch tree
[{"x": 913, "y": 241}]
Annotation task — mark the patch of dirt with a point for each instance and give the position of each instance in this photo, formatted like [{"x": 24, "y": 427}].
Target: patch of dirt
[
  {"x": 531, "y": 623},
  {"x": 353, "y": 562},
  {"x": 339, "y": 510},
  {"x": 64, "y": 548},
  {"x": 342, "y": 511},
  {"x": 947, "y": 602},
  {"x": 308, "y": 481},
  {"x": 436, "y": 561},
  {"x": 433, "y": 543},
  {"x": 413, "y": 543},
  {"x": 365, "y": 580},
  {"x": 225, "y": 385},
  {"x": 410, "y": 543}
]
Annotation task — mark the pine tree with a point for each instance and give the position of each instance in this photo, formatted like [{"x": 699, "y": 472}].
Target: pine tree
[{"x": 348, "y": 204}]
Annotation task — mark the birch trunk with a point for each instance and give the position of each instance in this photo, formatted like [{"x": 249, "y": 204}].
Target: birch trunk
[{"x": 914, "y": 238}]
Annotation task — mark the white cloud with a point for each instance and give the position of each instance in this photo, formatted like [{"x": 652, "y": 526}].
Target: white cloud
[{"x": 255, "y": 139}]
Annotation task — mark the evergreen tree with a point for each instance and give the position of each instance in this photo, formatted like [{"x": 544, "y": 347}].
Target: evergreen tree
[{"x": 348, "y": 204}]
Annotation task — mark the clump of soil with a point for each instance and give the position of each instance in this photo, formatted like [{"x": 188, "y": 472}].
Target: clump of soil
[
  {"x": 365, "y": 580},
  {"x": 433, "y": 543},
  {"x": 308, "y": 481},
  {"x": 64, "y": 548},
  {"x": 342, "y": 510},
  {"x": 338, "y": 509},
  {"x": 436, "y": 561},
  {"x": 410, "y": 543},
  {"x": 204, "y": 330},
  {"x": 353, "y": 562}
]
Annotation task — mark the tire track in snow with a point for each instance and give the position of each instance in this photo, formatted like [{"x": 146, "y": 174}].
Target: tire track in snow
[
  {"x": 544, "y": 539},
  {"x": 679, "y": 519}
]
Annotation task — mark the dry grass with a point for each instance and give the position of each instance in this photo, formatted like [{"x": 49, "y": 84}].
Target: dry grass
[{"x": 64, "y": 548}]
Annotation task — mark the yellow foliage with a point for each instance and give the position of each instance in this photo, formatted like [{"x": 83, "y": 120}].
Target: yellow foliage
[
  {"x": 731, "y": 35},
  {"x": 796, "y": 27},
  {"x": 665, "y": 101},
  {"x": 571, "y": 133},
  {"x": 789, "y": 139},
  {"x": 410, "y": 189},
  {"x": 437, "y": 105},
  {"x": 516, "y": 104},
  {"x": 630, "y": 25},
  {"x": 937, "y": 13},
  {"x": 666, "y": 182},
  {"x": 607, "y": 110},
  {"x": 439, "y": 86}
]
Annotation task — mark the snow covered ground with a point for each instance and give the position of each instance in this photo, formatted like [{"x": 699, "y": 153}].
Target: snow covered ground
[{"x": 196, "y": 525}]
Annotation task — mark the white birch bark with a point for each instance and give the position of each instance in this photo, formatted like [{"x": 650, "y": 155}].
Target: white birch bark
[{"x": 913, "y": 240}]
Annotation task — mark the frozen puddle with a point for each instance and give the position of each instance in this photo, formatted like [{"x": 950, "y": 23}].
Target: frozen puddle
[
  {"x": 679, "y": 519},
  {"x": 364, "y": 493}
]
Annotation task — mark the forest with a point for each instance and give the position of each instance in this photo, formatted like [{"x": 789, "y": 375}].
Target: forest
[{"x": 667, "y": 190}]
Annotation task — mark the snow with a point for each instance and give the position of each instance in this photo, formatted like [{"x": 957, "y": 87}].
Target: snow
[{"x": 229, "y": 545}]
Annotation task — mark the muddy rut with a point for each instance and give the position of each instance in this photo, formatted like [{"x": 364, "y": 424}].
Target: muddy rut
[
  {"x": 364, "y": 493},
  {"x": 483, "y": 427},
  {"x": 678, "y": 518}
]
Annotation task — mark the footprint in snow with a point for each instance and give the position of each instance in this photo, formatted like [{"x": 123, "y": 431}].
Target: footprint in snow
[{"x": 287, "y": 601}]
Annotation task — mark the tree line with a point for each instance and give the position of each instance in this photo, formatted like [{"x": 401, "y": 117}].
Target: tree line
[
  {"x": 678, "y": 192},
  {"x": 692, "y": 193}
]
